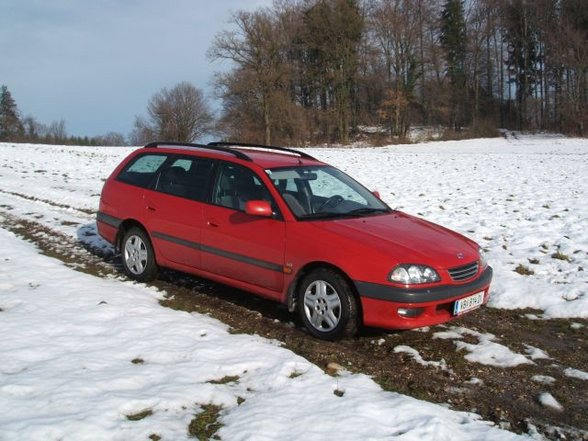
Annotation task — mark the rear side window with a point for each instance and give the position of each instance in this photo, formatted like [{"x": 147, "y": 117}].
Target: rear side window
[
  {"x": 142, "y": 170},
  {"x": 187, "y": 178}
]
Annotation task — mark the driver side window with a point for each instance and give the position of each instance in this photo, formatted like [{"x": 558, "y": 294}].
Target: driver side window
[{"x": 237, "y": 185}]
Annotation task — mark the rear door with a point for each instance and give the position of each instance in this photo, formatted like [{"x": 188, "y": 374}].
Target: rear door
[
  {"x": 235, "y": 244},
  {"x": 175, "y": 208},
  {"x": 123, "y": 196}
]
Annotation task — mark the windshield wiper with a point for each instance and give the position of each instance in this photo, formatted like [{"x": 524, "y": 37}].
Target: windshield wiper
[
  {"x": 353, "y": 213},
  {"x": 366, "y": 210},
  {"x": 322, "y": 215}
]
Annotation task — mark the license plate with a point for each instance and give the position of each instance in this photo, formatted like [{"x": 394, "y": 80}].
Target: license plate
[{"x": 468, "y": 303}]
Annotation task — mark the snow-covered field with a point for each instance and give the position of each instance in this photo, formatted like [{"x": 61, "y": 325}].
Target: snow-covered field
[{"x": 69, "y": 339}]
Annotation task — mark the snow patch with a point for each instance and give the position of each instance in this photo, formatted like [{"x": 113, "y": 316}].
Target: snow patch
[
  {"x": 486, "y": 351},
  {"x": 536, "y": 353},
  {"x": 416, "y": 356},
  {"x": 575, "y": 373},
  {"x": 475, "y": 381},
  {"x": 547, "y": 400},
  {"x": 543, "y": 379}
]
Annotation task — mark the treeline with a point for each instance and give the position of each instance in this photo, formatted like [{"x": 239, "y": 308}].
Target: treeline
[
  {"x": 312, "y": 71},
  {"x": 15, "y": 128},
  {"x": 336, "y": 71}
]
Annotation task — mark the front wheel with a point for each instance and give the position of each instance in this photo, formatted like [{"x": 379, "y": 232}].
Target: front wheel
[
  {"x": 327, "y": 305},
  {"x": 138, "y": 256}
]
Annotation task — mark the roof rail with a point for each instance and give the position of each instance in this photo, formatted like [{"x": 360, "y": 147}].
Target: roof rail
[
  {"x": 263, "y": 147},
  {"x": 211, "y": 146}
]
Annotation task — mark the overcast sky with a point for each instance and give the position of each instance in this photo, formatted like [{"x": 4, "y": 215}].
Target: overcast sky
[{"x": 96, "y": 63}]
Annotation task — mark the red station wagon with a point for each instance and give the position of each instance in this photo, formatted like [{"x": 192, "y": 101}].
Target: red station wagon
[{"x": 281, "y": 224}]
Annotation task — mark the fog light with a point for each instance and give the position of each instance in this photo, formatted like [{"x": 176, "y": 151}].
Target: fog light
[{"x": 410, "y": 312}]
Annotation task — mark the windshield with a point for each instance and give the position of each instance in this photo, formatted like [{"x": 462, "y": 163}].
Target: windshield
[{"x": 314, "y": 192}]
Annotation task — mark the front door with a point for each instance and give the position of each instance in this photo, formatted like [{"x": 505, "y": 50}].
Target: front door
[{"x": 235, "y": 244}]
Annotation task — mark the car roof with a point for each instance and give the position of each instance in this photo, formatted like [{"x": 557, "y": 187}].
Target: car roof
[
  {"x": 273, "y": 159},
  {"x": 262, "y": 155}
]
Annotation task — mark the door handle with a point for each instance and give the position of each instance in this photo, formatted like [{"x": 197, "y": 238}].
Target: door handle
[
  {"x": 150, "y": 208},
  {"x": 212, "y": 224}
]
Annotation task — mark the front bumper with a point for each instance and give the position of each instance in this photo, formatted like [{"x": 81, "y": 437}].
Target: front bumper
[{"x": 381, "y": 303}]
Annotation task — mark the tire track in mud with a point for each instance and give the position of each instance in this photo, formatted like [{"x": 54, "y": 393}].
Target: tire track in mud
[
  {"x": 86, "y": 211},
  {"x": 508, "y": 397}
]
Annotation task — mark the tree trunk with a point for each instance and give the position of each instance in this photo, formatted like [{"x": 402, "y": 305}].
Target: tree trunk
[{"x": 267, "y": 121}]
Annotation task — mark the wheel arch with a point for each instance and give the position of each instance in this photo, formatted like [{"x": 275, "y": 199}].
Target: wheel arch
[
  {"x": 125, "y": 226},
  {"x": 293, "y": 287}
]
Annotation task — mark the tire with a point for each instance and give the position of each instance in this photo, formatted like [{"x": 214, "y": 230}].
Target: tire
[
  {"x": 138, "y": 257},
  {"x": 327, "y": 305}
]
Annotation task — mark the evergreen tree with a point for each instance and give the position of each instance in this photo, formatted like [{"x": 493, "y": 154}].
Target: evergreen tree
[
  {"x": 522, "y": 36},
  {"x": 453, "y": 41},
  {"x": 332, "y": 32},
  {"x": 11, "y": 127}
]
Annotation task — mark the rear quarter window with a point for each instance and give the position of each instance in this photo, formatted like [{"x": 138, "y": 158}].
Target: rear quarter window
[{"x": 142, "y": 170}]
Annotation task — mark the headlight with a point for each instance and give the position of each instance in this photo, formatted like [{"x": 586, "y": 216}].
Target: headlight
[
  {"x": 413, "y": 274},
  {"x": 483, "y": 261}
]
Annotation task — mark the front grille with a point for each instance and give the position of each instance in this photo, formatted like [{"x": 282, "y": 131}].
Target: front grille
[{"x": 465, "y": 272}]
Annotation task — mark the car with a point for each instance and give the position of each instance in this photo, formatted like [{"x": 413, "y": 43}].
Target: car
[{"x": 283, "y": 225}]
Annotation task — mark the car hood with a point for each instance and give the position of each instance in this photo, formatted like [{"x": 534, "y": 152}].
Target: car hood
[{"x": 405, "y": 239}]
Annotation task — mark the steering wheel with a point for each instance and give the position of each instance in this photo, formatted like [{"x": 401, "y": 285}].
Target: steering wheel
[{"x": 331, "y": 202}]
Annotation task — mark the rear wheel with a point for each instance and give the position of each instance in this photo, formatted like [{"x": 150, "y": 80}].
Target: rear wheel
[
  {"x": 138, "y": 256},
  {"x": 327, "y": 305}
]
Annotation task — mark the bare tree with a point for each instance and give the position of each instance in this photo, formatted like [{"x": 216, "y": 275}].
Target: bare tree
[
  {"x": 179, "y": 114},
  {"x": 257, "y": 47},
  {"x": 395, "y": 29},
  {"x": 112, "y": 139},
  {"x": 33, "y": 130},
  {"x": 56, "y": 132}
]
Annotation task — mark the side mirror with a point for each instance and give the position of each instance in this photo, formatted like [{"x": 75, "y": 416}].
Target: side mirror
[
  {"x": 258, "y": 208},
  {"x": 376, "y": 193}
]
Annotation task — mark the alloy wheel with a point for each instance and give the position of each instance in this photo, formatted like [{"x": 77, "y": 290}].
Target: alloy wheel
[{"x": 322, "y": 306}]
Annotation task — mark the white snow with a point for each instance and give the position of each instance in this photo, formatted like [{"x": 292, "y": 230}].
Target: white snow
[
  {"x": 547, "y": 400},
  {"x": 536, "y": 353},
  {"x": 67, "y": 371},
  {"x": 576, "y": 373},
  {"x": 533, "y": 432},
  {"x": 543, "y": 379},
  {"x": 486, "y": 351},
  {"x": 475, "y": 381},
  {"x": 416, "y": 356}
]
